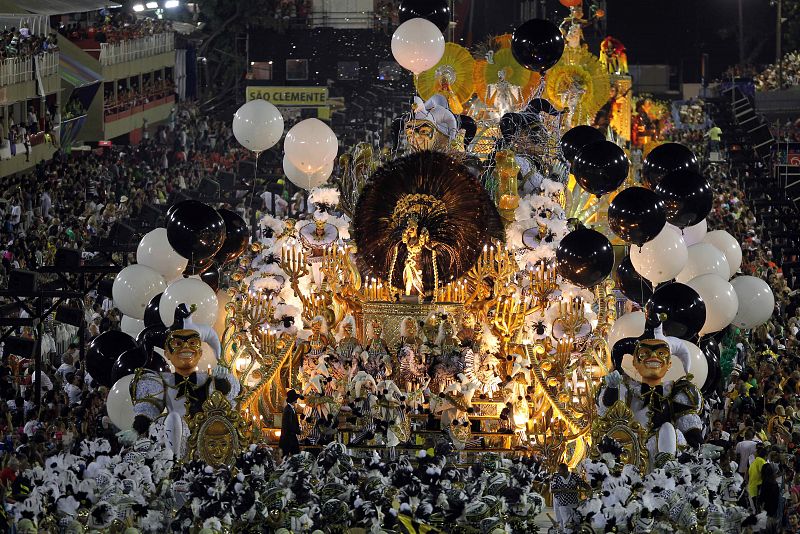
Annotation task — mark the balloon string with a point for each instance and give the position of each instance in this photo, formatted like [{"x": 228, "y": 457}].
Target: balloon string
[{"x": 255, "y": 177}]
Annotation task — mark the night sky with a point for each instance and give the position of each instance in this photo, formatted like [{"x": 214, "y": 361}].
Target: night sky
[
  {"x": 679, "y": 31},
  {"x": 675, "y": 32}
]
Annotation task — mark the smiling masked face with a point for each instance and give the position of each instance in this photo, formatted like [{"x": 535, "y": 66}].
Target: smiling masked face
[
  {"x": 423, "y": 135},
  {"x": 183, "y": 348},
  {"x": 652, "y": 360},
  {"x": 218, "y": 443}
]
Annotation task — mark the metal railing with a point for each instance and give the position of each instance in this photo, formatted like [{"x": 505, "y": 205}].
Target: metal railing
[
  {"x": 131, "y": 49},
  {"x": 23, "y": 69}
]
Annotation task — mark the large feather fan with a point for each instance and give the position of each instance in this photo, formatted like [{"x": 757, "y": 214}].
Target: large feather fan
[{"x": 445, "y": 198}]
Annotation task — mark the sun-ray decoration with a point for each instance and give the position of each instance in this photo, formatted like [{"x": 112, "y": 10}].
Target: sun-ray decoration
[
  {"x": 443, "y": 197},
  {"x": 452, "y": 78},
  {"x": 578, "y": 83}
]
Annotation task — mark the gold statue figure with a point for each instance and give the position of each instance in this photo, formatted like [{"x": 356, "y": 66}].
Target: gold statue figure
[{"x": 416, "y": 242}]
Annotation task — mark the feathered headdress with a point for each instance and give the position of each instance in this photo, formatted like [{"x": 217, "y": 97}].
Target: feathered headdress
[{"x": 442, "y": 197}]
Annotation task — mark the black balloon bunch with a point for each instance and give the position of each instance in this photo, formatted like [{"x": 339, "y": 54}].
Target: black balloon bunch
[
  {"x": 585, "y": 257},
  {"x": 208, "y": 238},
  {"x": 674, "y": 192}
]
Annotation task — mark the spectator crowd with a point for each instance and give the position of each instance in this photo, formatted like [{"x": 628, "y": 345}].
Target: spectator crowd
[
  {"x": 769, "y": 78},
  {"x": 114, "y": 27},
  {"x": 22, "y": 43}
]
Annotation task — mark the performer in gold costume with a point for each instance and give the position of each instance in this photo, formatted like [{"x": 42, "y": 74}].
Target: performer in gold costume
[{"x": 416, "y": 241}]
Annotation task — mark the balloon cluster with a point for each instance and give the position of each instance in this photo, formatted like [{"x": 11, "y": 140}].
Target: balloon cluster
[
  {"x": 310, "y": 146},
  {"x": 677, "y": 270},
  {"x": 585, "y": 257},
  {"x": 176, "y": 275}
]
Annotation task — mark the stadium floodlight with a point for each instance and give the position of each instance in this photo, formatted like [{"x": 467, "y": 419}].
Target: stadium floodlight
[
  {"x": 138, "y": 7},
  {"x": 151, "y": 5},
  {"x": 169, "y": 4}
]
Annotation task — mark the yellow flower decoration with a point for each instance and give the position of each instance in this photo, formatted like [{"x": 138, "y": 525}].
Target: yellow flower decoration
[{"x": 578, "y": 70}]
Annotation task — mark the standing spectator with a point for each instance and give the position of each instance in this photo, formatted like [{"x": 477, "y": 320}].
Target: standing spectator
[
  {"x": 564, "y": 487},
  {"x": 770, "y": 498},
  {"x": 754, "y": 476}
]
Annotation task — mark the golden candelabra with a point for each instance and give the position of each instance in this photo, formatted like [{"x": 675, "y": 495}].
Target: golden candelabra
[
  {"x": 564, "y": 382},
  {"x": 543, "y": 282},
  {"x": 259, "y": 355}
]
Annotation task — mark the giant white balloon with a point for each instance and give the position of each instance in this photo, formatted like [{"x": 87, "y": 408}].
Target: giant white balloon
[
  {"x": 133, "y": 288},
  {"x": 131, "y": 326},
  {"x": 729, "y": 246},
  {"x": 692, "y": 234},
  {"x": 699, "y": 364},
  {"x": 720, "y": 300},
  {"x": 304, "y": 180},
  {"x": 189, "y": 291},
  {"x": 154, "y": 251},
  {"x": 417, "y": 45},
  {"x": 311, "y": 145},
  {"x": 756, "y": 301},
  {"x": 629, "y": 325},
  {"x": 119, "y": 404},
  {"x": 704, "y": 258},
  {"x": 258, "y": 125},
  {"x": 662, "y": 258}
]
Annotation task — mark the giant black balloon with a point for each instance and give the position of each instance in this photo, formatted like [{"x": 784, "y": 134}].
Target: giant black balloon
[
  {"x": 212, "y": 275},
  {"x": 631, "y": 283},
  {"x": 664, "y": 159},
  {"x": 537, "y": 44},
  {"x": 600, "y": 167},
  {"x": 637, "y": 215},
  {"x": 152, "y": 315},
  {"x": 195, "y": 230},
  {"x": 436, "y": 11},
  {"x": 153, "y": 336},
  {"x": 626, "y": 345},
  {"x": 584, "y": 257},
  {"x": 128, "y": 362},
  {"x": 103, "y": 351},
  {"x": 578, "y": 137},
  {"x": 237, "y": 235},
  {"x": 687, "y": 197},
  {"x": 682, "y": 310}
]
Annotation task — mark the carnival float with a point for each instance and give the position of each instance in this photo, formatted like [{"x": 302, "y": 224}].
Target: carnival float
[{"x": 498, "y": 292}]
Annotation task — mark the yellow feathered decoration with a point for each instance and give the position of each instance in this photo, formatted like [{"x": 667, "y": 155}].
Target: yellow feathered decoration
[
  {"x": 503, "y": 60},
  {"x": 578, "y": 73},
  {"x": 451, "y": 77}
]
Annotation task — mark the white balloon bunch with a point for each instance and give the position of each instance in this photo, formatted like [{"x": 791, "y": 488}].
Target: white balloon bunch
[
  {"x": 159, "y": 270},
  {"x": 310, "y": 151},
  {"x": 705, "y": 261}
]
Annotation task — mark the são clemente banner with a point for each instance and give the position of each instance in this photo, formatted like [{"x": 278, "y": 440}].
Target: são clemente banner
[{"x": 306, "y": 97}]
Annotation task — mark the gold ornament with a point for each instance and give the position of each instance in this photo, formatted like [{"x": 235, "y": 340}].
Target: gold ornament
[{"x": 216, "y": 433}]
